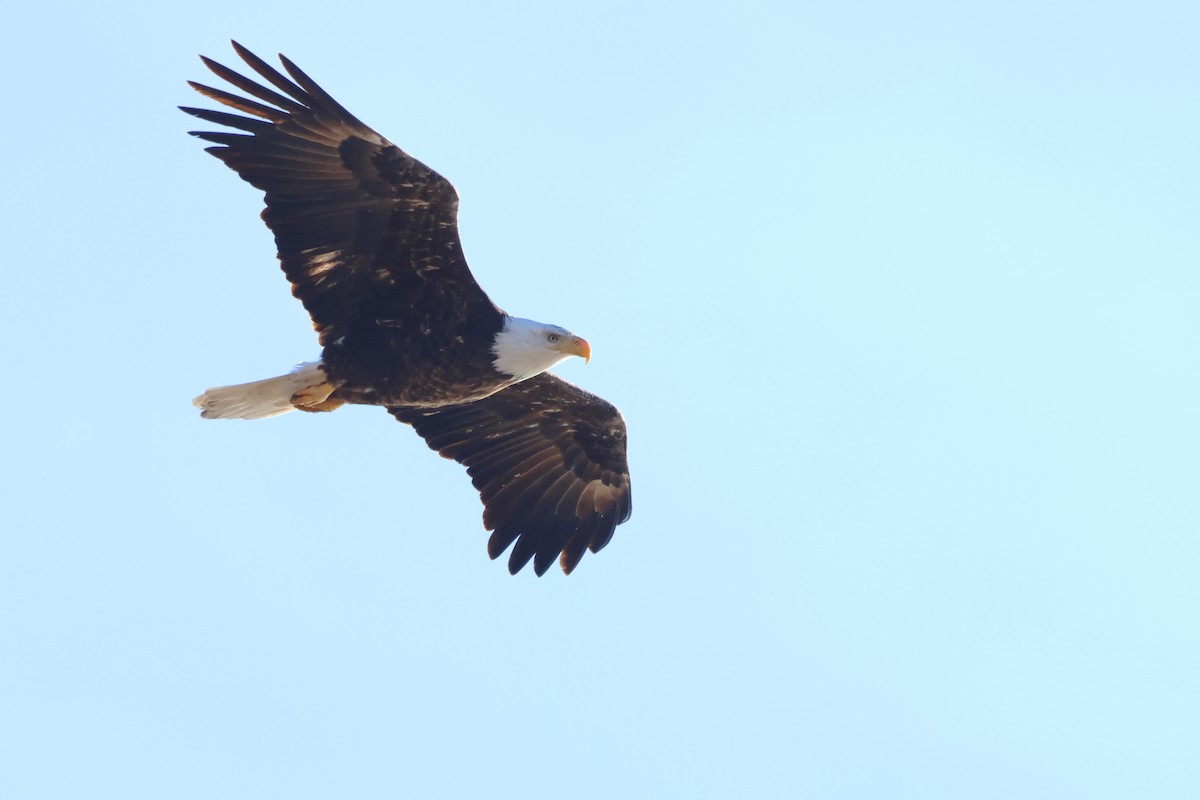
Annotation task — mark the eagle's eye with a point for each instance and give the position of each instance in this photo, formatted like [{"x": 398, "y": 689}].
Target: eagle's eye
[{"x": 553, "y": 338}]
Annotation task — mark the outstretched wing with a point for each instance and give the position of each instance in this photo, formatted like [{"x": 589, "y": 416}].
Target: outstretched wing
[
  {"x": 364, "y": 230},
  {"x": 549, "y": 462}
]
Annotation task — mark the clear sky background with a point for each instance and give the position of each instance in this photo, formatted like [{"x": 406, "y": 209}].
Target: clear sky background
[{"x": 901, "y": 303}]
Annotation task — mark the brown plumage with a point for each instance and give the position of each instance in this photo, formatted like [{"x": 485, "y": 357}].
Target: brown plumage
[
  {"x": 368, "y": 237},
  {"x": 549, "y": 462}
]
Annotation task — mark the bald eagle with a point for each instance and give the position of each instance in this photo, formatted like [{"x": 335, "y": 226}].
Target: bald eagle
[{"x": 368, "y": 237}]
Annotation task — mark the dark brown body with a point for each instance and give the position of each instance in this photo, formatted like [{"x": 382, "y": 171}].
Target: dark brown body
[{"x": 411, "y": 362}]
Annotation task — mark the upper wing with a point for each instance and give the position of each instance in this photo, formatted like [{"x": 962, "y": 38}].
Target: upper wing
[
  {"x": 549, "y": 462},
  {"x": 364, "y": 230}
]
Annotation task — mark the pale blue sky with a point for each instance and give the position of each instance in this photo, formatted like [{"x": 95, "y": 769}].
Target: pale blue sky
[{"x": 900, "y": 302}]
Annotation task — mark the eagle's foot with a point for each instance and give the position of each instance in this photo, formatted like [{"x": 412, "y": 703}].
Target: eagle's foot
[
  {"x": 316, "y": 398},
  {"x": 329, "y": 405}
]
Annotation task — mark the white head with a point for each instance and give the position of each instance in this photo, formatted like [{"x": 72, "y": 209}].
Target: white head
[{"x": 524, "y": 348}]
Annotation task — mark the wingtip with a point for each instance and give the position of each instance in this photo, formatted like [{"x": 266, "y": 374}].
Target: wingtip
[
  {"x": 244, "y": 52},
  {"x": 569, "y": 558},
  {"x": 206, "y": 90}
]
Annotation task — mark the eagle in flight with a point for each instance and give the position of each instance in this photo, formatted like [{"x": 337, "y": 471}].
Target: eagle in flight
[{"x": 368, "y": 237}]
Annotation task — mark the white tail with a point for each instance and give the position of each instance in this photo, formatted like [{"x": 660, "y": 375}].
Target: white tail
[{"x": 260, "y": 399}]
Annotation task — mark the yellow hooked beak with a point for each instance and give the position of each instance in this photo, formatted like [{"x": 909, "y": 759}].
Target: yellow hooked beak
[{"x": 579, "y": 347}]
